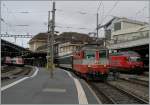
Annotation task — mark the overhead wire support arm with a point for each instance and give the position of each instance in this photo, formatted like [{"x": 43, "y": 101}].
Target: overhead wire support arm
[{"x": 16, "y": 36}]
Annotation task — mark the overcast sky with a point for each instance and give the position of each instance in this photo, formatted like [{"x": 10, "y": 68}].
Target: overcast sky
[{"x": 76, "y": 16}]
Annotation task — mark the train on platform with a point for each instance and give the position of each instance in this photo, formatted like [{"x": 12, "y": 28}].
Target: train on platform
[
  {"x": 126, "y": 62},
  {"x": 94, "y": 62},
  {"x": 89, "y": 61},
  {"x": 15, "y": 61}
]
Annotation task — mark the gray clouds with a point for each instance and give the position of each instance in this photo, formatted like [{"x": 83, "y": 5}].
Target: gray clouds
[{"x": 73, "y": 14}]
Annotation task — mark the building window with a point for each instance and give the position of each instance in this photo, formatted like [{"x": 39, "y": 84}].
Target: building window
[
  {"x": 66, "y": 48},
  {"x": 141, "y": 34},
  {"x": 117, "y": 26},
  {"x": 108, "y": 33},
  {"x": 73, "y": 48},
  {"x": 134, "y": 37},
  {"x": 147, "y": 34}
]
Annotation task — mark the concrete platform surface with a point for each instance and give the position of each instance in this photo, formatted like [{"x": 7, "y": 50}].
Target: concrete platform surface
[{"x": 39, "y": 88}]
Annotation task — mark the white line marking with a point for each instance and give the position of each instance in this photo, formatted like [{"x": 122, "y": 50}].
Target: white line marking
[
  {"x": 81, "y": 94},
  {"x": 99, "y": 102},
  {"x": 54, "y": 90},
  {"x": 12, "y": 84},
  {"x": 20, "y": 80},
  {"x": 35, "y": 73}
]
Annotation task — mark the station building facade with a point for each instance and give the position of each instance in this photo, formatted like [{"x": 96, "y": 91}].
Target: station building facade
[
  {"x": 38, "y": 41},
  {"x": 119, "y": 30},
  {"x": 65, "y": 43}
]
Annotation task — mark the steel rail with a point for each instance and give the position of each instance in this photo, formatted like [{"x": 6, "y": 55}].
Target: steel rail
[
  {"x": 101, "y": 94},
  {"x": 136, "y": 81},
  {"x": 113, "y": 99},
  {"x": 140, "y": 100}
]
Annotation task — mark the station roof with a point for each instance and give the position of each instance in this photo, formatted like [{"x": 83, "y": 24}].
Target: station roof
[
  {"x": 11, "y": 49},
  {"x": 39, "y": 37}
]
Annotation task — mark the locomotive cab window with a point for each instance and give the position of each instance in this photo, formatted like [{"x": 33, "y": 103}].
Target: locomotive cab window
[
  {"x": 135, "y": 59},
  {"x": 89, "y": 54},
  {"x": 103, "y": 56},
  {"x": 89, "y": 57}
]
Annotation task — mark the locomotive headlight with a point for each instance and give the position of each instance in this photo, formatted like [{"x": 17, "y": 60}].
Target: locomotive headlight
[
  {"x": 89, "y": 65},
  {"x": 104, "y": 65}
]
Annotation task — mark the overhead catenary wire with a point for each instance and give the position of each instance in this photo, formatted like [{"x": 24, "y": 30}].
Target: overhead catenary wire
[
  {"x": 139, "y": 11},
  {"x": 6, "y": 22},
  {"x": 100, "y": 3},
  {"x": 97, "y": 19},
  {"x": 108, "y": 13},
  {"x": 79, "y": 12},
  {"x": 102, "y": 13},
  {"x": 133, "y": 17},
  {"x": 58, "y": 26},
  {"x": 13, "y": 14},
  {"x": 58, "y": 10}
]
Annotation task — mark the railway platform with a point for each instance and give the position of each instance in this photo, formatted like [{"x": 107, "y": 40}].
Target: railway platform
[{"x": 39, "y": 88}]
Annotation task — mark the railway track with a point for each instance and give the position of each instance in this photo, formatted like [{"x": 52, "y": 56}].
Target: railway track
[
  {"x": 146, "y": 74},
  {"x": 134, "y": 88},
  {"x": 136, "y": 81},
  {"x": 115, "y": 93},
  {"x": 141, "y": 80},
  {"x": 110, "y": 94},
  {"x": 14, "y": 72}
]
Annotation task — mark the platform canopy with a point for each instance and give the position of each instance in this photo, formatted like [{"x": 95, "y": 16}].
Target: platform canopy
[{"x": 12, "y": 50}]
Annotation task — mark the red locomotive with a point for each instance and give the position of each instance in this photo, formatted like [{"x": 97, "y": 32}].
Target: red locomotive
[
  {"x": 16, "y": 61},
  {"x": 7, "y": 61},
  {"x": 93, "y": 62},
  {"x": 126, "y": 61},
  {"x": 89, "y": 61}
]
